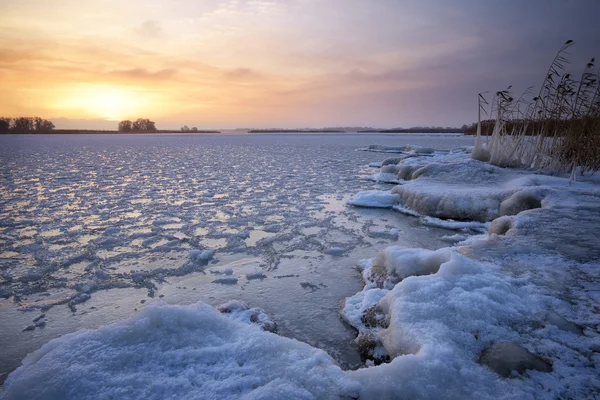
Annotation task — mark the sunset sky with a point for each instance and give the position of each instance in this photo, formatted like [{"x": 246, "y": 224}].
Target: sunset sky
[{"x": 288, "y": 63}]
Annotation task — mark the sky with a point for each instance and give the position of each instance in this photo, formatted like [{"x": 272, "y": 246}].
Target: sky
[{"x": 288, "y": 63}]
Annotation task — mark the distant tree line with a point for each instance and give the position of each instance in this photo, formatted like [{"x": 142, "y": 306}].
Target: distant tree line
[
  {"x": 139, "y": 125},
  {"x": 419, "y": 129},
  {"x": 185, "y": 128},
  {"x": 25, "y": 125}
]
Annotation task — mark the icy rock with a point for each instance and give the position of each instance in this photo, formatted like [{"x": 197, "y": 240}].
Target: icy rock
[
  {"x": 240, "y": 311},
  {"x": 391, "y": 161},
  {"x": 354, "y": 308},
  {"x": 501, "y": 225},
  {"x": 390, "y": 169},
  {"x": 29, "y": 328},
  {"x": 370, "y": 349},
  {"x": 401, "y": 263},
  {"x": 36, "y": 319},
  {"x": 503, "y": 358},
  {"x": 520, "y": 201}
]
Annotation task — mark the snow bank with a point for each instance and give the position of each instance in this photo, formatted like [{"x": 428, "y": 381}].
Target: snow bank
[
  {"x": 174, "y": 352},
  {"x": 440, "y": 324},
  {"x": 510, "y": 314}
]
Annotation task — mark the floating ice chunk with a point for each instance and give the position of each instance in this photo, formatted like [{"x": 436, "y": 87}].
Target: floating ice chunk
[
  {"x": 454, "y": 238},
  {"x": 384, "y": 178},
  {"x": 374, "y": 198},
  {"x": 256, "y": 275},
  {"x": 375, "y": 164},
  {"x": 230, "y": 280},
  {"x": 452, "y": 224},
  {"x": 178, "y": 352},
  {"x": 200, "y": 255},
  {"x": 382, "y": 233},
  {"x": 335, "y": 251}
]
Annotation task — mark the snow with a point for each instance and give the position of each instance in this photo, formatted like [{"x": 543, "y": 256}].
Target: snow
[
  {"x": 176, "y": 352},
  {"x": 519, "y": 301}
]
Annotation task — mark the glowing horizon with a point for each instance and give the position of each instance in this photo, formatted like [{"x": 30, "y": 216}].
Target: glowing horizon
[{"x": 264, "y": 63}]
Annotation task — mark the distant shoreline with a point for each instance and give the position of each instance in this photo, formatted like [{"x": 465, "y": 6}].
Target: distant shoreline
[{"x": 236, "y": 132}]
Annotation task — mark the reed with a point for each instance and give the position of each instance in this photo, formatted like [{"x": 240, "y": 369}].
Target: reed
[{"x": 556, "y": 131}]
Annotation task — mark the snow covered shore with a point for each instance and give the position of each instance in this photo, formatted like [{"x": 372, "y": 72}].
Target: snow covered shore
[
  {"x": 509, "y": 313},
  {"x": 526, "y": 291}
]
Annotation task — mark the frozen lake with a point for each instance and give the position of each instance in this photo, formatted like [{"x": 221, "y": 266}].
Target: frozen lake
[{"x": 95, "y": 227}]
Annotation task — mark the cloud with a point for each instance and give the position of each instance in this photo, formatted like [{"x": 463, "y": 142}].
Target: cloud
[
  {"x": 245, "y": 74},
  {"x": 144, "y": 74},
  {"x": 150, "y": 29}
]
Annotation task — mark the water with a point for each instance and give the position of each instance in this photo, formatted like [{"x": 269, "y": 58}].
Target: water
[{"x": 95, "y": 227}]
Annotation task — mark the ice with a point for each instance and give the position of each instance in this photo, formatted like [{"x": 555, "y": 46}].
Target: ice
[
  {"x": 175, "y": 352},
  {"x": 514, "y": 300},
  {"x": 374, "y": 198},
  {"x": 384, "y": 177},
  {"x": 240, "y": 311}
]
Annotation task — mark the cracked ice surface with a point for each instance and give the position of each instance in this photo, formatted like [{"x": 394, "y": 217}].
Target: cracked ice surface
[{"x": 231, "y": 216}]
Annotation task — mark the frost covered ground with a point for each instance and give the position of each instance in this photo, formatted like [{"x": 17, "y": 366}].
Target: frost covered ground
[
  {"x": 498, "y": 300},
  {"x": 92, "y": 226}
]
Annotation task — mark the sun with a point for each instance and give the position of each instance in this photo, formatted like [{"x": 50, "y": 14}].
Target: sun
[
  {"x": 111, "y": 104},
  {"x": 106, "y": 102}
]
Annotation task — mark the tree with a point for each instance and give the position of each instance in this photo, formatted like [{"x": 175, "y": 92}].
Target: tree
[
  {"x": 125, "y": 126},
  {"x": 4, "y": 125},
  {"x": 194, "y": 129},
  {"x": 143, "y": 125},
  {"x": 25, "y": 125},
  {"x": 185, "y": 128},
  {"x": 42, "y": 125},
  {"x": 22, "y": 125}
]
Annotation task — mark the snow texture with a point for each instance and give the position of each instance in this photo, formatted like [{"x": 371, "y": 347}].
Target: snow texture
[
  {"x": 175, "y": 352},
  {"x": 518, "y": 303}
]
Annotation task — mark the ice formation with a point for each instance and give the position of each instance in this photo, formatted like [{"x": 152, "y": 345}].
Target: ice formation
[
  {"x": 518, "y": 302},
  {"x": 175, "y": 352},
  {"x": 508, "y": 311}
]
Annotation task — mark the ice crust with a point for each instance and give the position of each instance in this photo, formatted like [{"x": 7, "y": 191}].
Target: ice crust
[{"x": 176, "y": 352}]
